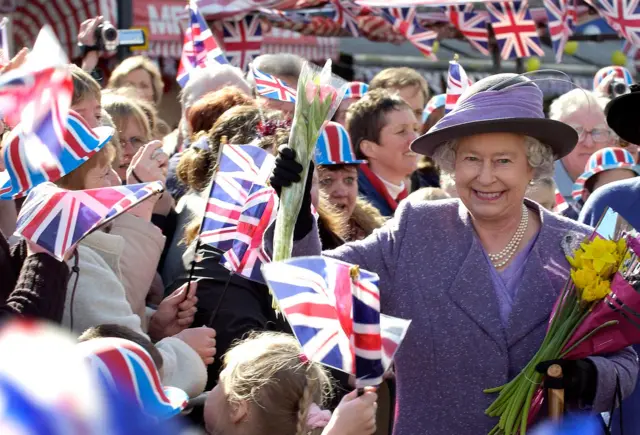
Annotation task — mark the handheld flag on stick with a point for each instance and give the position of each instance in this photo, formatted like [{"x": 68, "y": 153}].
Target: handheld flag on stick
[
  {"x": 57, "y": 219},
  {"x": 334, "y": 310},
  {"x": 457, "y": 83},
  {"x": 271, "y": 87},
  {"x": 200, "y": 49}
]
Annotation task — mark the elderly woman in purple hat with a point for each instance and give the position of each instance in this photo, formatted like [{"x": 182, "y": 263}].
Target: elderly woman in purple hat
[{"x": 478, "y": 275}]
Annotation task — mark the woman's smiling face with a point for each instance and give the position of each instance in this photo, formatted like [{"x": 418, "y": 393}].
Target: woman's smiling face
[{"x": 492, "y": 173}]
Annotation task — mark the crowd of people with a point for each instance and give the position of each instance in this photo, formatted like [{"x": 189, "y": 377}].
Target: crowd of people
[{"x": 462, "y": 216}]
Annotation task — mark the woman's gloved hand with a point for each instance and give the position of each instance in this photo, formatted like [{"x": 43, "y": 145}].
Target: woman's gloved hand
[
  {"x": 287, "y": 172},
  {"x": 579, "y": 379}
]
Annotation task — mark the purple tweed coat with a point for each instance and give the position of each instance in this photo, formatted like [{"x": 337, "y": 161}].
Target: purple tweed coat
[{"x": 432, "y": 270}]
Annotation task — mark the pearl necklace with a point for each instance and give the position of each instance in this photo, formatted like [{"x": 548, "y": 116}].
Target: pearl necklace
[{"x": 503, "y": 257}]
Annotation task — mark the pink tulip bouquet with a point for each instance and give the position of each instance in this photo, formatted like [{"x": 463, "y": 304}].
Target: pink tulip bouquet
[{"x": 319, "y": 94}]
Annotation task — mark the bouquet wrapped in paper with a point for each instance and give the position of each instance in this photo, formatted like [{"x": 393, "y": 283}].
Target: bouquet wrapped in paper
[
  {"x": 597, "y": 312},
  {"x": 319, "y": 95}
]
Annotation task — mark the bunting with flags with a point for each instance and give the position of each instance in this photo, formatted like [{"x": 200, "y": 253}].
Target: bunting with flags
[
  {"x": 336, "y": 316},
  {"x": 562, "y": 17},
  {"x": 405, "y": 22},
  {"x": 345, "y": 14},
  {"x": 515, "y": 30},
  {"x": 472, "y": 25},
  {"x": 200, "y": 49},
  {"x": 622, "y": 15},
  {"x": 242, "y": 40},
  {"x": 457, "y": 83},
  {"x": 57, "y": 219}
]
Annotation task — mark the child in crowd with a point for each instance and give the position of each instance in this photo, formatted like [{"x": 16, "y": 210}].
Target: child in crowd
[{"x": 268, "y": 386}]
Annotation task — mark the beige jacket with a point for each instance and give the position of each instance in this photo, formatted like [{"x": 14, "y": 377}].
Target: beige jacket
[
  {"x": 139, "y": 259},
  {"x": 100, "y": 298}
]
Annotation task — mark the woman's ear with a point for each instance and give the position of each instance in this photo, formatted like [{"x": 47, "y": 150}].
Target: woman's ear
[
  {"x": 368, "y": 148},
  {"x": 239, "y": 411}
]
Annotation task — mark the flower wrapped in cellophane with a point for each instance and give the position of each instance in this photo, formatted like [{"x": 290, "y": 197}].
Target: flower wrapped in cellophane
[
  {"x": 597, "y": 312},
  {"x": 318, "y": 96}
]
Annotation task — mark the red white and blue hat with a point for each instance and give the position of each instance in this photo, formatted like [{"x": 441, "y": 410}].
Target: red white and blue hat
[
  {"x": 32, "y": 159},
  {"x": 334, "y": 147},
  {"x": 130, "y": 371},
  {"x": 436, "y": 102},
  {"x": 355, "y": 90},
  {"x": 604, "y": 160},
  {"x": 620, "y": 71}
]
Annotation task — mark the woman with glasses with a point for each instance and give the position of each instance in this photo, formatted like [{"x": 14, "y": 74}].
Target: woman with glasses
[
  {"x": 132, "y": 127},
  {"x": 584, "y": 111}
]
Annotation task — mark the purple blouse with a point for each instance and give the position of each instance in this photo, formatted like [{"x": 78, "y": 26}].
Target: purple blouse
[{"x": 507, "y": 282}]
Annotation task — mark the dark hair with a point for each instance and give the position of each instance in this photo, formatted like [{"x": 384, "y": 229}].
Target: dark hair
[
  {"x": 334, "y": 168},
  {"x": 366, "y": 117},
  {"x": 119, "y": 331}
]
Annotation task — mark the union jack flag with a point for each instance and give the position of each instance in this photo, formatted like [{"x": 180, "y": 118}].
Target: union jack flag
[
  {"x": 345, "y": 14},
  {"x": 242, "y": 40},
  {"x": 239, "y": 167},
  {"x": 514, "y": 28},
  {"x": 562, "y": 18},
  {"x": 31, "y": 159},
  {"x": 623, "y": 16},
  {"x": 247, "y": 254},
  {"x": 336, "y": 318},
  {"x": 457, "y": 83},
  {"x": 472, "y": 25},
  {"x": 57, "y": 219},
  {"x": 271, "y": 87},
  {"x": 404, "y": 21},
  {"x": 200, "y": 49}
]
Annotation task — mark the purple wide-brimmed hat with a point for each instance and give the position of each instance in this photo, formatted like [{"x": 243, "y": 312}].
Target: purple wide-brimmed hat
[{"x": 502, "y": 103}]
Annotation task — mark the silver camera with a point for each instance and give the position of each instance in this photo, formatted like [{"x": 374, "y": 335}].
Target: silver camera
[{"x": 618, "y": 87}]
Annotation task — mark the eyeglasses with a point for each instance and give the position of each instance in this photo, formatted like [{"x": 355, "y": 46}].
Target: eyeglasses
[
  {"x": 135, "y": 142},
  {"x": 598, "y": 134}
]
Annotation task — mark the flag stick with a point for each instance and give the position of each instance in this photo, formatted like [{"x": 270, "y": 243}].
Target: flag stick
[
  {"x": 354, "y": 273},
  {"x": 194, "y": 260},
  {"x": 219, "y": 304}
]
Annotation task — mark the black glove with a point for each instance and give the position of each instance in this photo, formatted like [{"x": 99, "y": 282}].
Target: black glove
[
  {"x": 579, "y": 379},
  {"x": 285, "y": 173}
]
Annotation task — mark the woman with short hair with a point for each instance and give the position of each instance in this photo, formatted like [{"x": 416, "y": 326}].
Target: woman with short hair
[{"x": 382, "y": 126}]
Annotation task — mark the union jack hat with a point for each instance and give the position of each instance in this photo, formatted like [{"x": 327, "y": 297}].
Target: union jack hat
[
  {"x": 130, "y": 372},
  {"x": 334, "y": 147},
  {"x": 436, "y": 102},
  {"x": 604, "y": 160},
  {"x": 621, "y": 73},
  {"x": 355, "y": 90},
  {"x": 52, "y": 159}
]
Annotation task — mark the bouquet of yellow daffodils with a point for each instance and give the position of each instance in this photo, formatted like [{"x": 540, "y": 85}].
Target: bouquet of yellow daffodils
[
  {"x": 593, "y": 315},
  {"x": 318, "y": 97}
]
